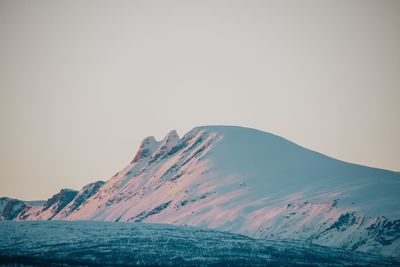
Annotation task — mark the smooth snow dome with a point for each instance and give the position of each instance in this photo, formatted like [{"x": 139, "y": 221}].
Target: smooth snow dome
[{"x": 269, "y": 163}]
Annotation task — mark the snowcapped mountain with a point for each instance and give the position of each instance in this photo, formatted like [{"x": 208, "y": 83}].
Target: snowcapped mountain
[
  {"x": 79, "y": 200},
  {"x": 243, "y": 181},
  {"x": 50, "y": 208},
  {"x": 11, "y": 208}
]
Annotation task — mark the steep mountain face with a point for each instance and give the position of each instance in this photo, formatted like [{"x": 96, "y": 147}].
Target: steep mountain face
[
  {"x": 10, "y": 208},
  {"x": 58, "y": 206},
  {"x": 79, "y": 200},
  {"x": 249, "y": 182},
  {"x": 50, "y": 208}
]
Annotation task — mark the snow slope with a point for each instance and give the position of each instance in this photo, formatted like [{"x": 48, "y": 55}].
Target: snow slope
[
  {"x": 250, "y": 182},
  {"x": 51, "y": 207},
  {"x": 138, "y": 244}
]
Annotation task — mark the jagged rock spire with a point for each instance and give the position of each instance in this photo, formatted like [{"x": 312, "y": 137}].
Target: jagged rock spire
[{"x": 148, "y": 146}]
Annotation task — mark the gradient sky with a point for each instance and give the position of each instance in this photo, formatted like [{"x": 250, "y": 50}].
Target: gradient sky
[{"x": 83, "y": 82}]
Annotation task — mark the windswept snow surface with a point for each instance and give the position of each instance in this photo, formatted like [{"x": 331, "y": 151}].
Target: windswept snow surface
[
  {"x": 130, "y": 244},
  {"x": 253, "y": 183}
]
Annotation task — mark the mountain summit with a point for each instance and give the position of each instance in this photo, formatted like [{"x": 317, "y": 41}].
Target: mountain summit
[{"x": 250, "y": 182}]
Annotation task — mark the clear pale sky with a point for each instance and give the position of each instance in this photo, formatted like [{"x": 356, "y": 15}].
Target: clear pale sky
[{"x": 83, "y": 82}]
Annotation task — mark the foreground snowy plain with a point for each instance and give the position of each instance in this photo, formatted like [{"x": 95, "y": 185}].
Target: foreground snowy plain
[{"x": 79, "y": 243}]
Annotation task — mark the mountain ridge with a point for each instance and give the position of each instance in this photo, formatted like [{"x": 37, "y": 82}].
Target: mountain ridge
[{"x": 246, "y": 181}]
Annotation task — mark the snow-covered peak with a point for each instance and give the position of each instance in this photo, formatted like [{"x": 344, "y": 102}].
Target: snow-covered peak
[
  {"x": 172, "y": 136},
  {"x": 10, "y": 208},
  {"x": 50, "y": 208},
  {"x": 79, "y": 200},
  {"x": 148, "y": 146},
  {"x": 170, "y": 140},
  {"x": 250, "y": 182}
]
